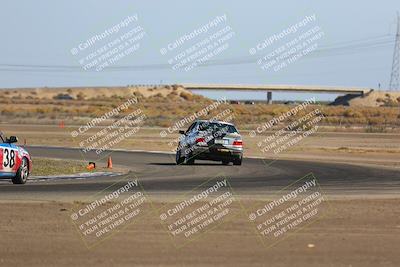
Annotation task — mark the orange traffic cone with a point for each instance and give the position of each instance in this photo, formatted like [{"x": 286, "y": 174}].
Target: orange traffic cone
[
  {"x": 109, "y": 163},
  {"x": 91, "y": 166}
]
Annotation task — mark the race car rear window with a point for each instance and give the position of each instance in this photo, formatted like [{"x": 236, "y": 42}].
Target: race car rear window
[{"x": 213, "y": 126}]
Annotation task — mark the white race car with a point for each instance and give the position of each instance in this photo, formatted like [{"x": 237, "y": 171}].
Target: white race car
[{"x": 15, "y": 162}]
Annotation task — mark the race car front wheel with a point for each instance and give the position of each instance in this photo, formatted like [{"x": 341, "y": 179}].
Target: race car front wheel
[{"x": 22, "y": 173}]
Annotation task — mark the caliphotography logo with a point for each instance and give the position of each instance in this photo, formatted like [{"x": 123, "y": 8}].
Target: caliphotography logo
[
  {"x": 280, "y": 135},
  {"x": 291, "y": 209}
]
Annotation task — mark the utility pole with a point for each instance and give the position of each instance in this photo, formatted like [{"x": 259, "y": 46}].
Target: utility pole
[{"x": 395, "y": 77}]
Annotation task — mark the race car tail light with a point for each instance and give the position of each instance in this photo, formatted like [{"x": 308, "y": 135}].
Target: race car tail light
[
  {"x": 238, "y": 143},
  {"x": 200, "y": 140}
]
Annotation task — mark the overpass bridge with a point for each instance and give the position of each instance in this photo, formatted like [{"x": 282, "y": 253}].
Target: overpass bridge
[{"x": 282, "y": 88}]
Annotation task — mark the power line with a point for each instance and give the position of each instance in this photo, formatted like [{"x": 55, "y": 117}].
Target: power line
[
  {"x": 395, "y": 75},
  {"x": 341, "y": 48}
]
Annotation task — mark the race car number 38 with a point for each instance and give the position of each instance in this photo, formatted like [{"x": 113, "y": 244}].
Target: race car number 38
[{"x": 8, "y": 159}]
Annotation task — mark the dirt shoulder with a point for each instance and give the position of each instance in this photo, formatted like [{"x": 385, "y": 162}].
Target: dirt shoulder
[
  {"x": 52, "y": 167},
  {"x": 352, "y": 233}
]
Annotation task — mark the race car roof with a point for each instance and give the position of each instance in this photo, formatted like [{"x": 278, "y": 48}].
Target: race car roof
[{"x": 222, "y": 122}]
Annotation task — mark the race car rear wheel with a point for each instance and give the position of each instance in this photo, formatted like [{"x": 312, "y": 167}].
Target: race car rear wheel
[
  {"x": 189, "y": 159},
  {"x": 178, "y": 158},
  {"x": 22, "y": 173},
  {"x": 237, "y": 162}
]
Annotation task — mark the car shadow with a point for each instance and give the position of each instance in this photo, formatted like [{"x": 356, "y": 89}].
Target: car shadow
[{"x": 196, "y": 164}]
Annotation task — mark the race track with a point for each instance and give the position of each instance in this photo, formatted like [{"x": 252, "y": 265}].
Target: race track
[
  {"x": 159, "y": 175},
  {"x": 358, "y": 226}
]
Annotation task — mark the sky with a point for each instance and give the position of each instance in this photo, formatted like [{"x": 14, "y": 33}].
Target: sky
[{"x": 356, "y": 48}]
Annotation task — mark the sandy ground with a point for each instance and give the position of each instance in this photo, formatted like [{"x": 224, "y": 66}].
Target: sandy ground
[
  {"x": 375, "y": 149},
  {"x": 356, "y": 232},
  {"x": 372, "y": 99},
  {"x": 376, "y": 99},
  {"x": 90, "y": 92}
]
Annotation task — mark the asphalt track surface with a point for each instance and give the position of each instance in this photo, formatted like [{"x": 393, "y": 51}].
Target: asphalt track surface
[{"x": 158, "y": 174}]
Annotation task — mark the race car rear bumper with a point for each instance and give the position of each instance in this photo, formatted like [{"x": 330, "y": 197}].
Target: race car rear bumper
[{"x": 217, "y": 153}]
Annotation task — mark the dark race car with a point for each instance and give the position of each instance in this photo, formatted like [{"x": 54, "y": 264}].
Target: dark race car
[{"x": 15, "y": 162}]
